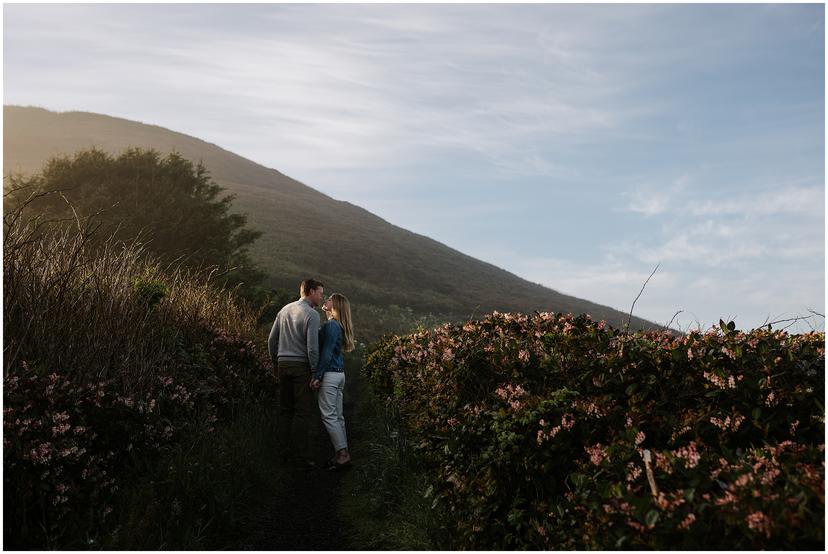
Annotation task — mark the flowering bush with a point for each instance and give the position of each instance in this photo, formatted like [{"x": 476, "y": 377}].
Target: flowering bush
[
  {"x": 536, "y": 430},
  {"x": 69, "y": 445}
]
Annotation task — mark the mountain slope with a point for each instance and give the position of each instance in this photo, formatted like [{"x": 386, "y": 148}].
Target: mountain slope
[{"x": 306, "y": 233}]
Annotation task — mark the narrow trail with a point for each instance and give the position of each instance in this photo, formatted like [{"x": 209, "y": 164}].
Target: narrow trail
[{"x": 304, "y": 514}]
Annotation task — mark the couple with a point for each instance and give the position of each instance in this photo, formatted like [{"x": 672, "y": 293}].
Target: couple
[{"x": 309, "y": 360}]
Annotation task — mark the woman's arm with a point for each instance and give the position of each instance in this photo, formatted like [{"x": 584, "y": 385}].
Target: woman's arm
[{"x": 329, "y": 337}]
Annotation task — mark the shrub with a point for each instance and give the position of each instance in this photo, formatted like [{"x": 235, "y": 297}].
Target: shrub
[{"x": 535, "y": 429}]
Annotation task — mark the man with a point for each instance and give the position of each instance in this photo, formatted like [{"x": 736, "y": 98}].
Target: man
[{"x": 294, "y": 346}]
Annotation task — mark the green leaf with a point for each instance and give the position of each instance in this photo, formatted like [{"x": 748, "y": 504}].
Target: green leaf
[
  {"x": 578, "y": 479},
  {"x": 652, "y": 517}
]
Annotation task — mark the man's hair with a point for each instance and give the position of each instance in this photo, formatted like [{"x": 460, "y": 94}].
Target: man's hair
[{"x": 309, "y": 285}]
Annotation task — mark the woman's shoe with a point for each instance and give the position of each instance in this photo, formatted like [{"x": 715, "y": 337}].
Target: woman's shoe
[{"x": 336, "y": 466}]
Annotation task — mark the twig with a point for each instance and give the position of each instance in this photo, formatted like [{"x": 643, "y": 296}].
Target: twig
[
  {"x": 471, "y": 317},
  {"x": 671, "y": 320},
  {"x": 74, "y": 213},
  {"x": 794, "y": 319},
  {"x": 629, "y": 319}
]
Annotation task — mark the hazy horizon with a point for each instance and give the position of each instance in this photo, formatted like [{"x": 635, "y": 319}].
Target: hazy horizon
[{"x": 574, "y": 146}]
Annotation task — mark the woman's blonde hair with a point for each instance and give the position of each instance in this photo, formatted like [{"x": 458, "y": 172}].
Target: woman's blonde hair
[{"x": 341, "y": 311}]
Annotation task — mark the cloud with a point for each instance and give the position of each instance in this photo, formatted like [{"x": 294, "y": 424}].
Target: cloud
[
  {"x": 339, "y": 87},
  {"x": 654, "y": 200},
  {"x": 786, "y": 199}
]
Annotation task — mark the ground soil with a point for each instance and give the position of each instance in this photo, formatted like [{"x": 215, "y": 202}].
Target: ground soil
[{"x": 304, "y": 514}]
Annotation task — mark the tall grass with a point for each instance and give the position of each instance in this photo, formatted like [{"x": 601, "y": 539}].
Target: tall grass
[
  {"x": 85, "y": 309},
  {"x": 128, "y": 390}
]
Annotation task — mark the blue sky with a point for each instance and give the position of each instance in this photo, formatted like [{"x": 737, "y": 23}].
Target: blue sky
[{"x": 574, "y": 145}]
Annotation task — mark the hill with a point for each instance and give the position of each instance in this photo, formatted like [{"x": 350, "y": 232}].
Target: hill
[{"x": 306, "y": 232}]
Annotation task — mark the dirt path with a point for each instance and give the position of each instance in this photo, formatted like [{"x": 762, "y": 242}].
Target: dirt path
[{"x": 304, "y": 515}]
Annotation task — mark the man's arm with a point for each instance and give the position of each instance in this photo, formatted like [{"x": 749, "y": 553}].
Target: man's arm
[
  {"x": 273, "y": 339},
  {"x": 313, "y": 340}
]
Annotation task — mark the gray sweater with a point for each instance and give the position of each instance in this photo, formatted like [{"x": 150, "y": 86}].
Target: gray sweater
[{"x": 295, "y": 334}]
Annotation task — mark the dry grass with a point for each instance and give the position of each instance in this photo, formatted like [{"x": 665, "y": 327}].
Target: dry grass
[{"x": 96, "y": 313}]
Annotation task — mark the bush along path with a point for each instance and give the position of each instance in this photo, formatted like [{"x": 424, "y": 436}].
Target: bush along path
[{"x": 536, "y": 432}]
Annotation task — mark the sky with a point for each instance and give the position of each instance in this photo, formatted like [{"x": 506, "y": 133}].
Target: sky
[{"x": 577, "y": 146}]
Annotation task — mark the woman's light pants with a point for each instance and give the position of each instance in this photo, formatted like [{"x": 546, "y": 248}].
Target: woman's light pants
[{"x": 330, "y": 405}]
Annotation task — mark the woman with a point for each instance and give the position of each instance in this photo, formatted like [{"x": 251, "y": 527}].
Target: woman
[{"x": 335, "y": 337}]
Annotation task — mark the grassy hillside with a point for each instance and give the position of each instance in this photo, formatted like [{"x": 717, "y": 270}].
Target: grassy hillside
[{"x": 304, "y": 231}]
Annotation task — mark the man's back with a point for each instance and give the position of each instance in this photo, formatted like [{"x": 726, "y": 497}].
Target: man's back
[{"x": 295, "y": 334}]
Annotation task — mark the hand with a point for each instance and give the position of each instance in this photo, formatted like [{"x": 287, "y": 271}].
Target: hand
[{"x": 315, "y": 383}]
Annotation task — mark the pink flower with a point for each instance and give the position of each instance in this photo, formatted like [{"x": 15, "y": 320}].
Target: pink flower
[
  {"x": 597, "y": 454},
  {"x": 759, "y": 522},
  {"x": 728, "y": 498},
  {"x": 689, "y": 454},
  {"x": 637, "y": 526},
  {"x": 719, "y": 382},
  {"x": 687, "y": 522},
  {"x": 633, "y": 471}
]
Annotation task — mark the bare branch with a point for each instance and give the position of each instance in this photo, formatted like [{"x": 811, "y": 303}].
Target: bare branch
[
  {"x": 671, "y": 320},
  {"x": 74, "y": 213},
  {"x": 629, "y": 319},
  {"x": 793, "y": 319}
]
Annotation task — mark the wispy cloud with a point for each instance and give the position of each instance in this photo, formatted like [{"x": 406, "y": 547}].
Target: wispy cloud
[
  {"x": 655, "y": 200},
  {"x": 786, "y": 199},
  {"x": 613, "y": 136}
]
